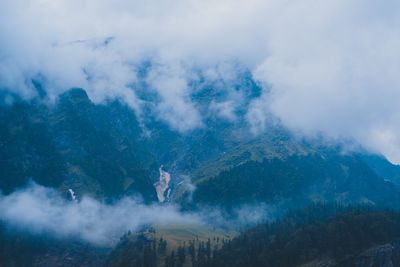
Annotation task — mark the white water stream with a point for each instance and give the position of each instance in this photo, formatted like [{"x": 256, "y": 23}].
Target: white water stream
[{"x": 162, "y": 185}]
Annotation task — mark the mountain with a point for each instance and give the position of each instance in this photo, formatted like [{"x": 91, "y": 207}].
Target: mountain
[
  {"x": 278, "y": 167},
  {"x": 105, "y": 150},
  {"x": 378, "y": 163},
  {"x": 298, "y": 180},
  {"x": 93, "y": 149}
]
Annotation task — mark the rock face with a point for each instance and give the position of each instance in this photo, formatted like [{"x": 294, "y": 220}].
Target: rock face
[{"x": 387, "y": 255}]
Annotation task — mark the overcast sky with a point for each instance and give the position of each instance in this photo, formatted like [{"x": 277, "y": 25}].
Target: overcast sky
[{"x": 332, "y": 66}]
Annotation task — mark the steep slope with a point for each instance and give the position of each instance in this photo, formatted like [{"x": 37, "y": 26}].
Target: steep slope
[
  {"x": 382, "y": 167},
  {"x": 298, "y": 180},
  {"x": 277, "y": 167},
  {"x": 101, "y": 142},
  {"x": 93, "y": 149},
  {"x": 27, "y": 148},
  {"x": 105, "y": 151}
]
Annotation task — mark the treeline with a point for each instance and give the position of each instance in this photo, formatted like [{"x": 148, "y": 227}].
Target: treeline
[
  {"x": 21, "y": 248},
  {"x": 321, "y": 232},
  {"x": 331, "y": 232},
  {"x": 196, "y": 253},
  {"x": 145, "y": 250},
  {"x": 136, "y": 249},
  {"x": 327, "y": 174}
]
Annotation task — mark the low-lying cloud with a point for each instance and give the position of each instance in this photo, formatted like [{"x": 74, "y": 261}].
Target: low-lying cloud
[
  {"x": 44, "y": 210},
  {"x": 331, "y": 67},
  {"x": 39, "y": 210}
]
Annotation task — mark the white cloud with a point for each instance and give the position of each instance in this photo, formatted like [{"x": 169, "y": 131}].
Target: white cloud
[
  {"x": 335, "y": 70},
  {"x": 175, "y": 106},
  {"x": 43, "y": 210},
  {"x": 224, "y": 110},
  {"x": 333, "y": 65}
]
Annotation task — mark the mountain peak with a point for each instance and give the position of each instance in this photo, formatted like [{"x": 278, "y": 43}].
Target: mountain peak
[{"x": 75, "y": 95}]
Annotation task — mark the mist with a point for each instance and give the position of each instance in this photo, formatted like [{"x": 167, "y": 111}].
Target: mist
[
  {"x": 327, "y": 67},
  {"x": 41, "y": 210}
]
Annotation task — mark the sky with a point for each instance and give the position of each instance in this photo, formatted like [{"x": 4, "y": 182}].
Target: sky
[{"x": 327, "y": 67}]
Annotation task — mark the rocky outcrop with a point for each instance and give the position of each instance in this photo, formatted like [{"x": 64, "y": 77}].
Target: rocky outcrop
[{"x": 387, "y": 255}]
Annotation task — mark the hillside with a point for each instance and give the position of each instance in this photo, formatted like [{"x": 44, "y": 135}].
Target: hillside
[
  {"x": 93, "y": 149},
  {"x": 103, "y": 150},
  {"x": 318, "y": 237},
  {"x": 106, "y": 152},
  {"x": 298, "y": 180}
]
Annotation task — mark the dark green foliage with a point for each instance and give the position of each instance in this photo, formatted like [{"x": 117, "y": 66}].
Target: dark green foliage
[
  {"x": 309, "y": 235},
  {"x": 329, "y": 177},
  {"x": 27, "y": 150},
  {"x": 162, "y": 246},
  {"x": 101, "y": 149},
  {"x": 102, "y": 142},
  {"x": 94, "y": 149},
  {"x": 23, "y": 249},
  {"x": 181, "y": 255},
  {"x": 200, "y": 255},
  {"x": 134, "y": 250}
]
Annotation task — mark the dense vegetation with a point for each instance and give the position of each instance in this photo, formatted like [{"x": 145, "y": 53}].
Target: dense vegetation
[
  {"x": 136, "y": 250},
  {"x": 146, "y": 250},
  {"x": 301, "y": 179},
  {"x": 93, "y": 149},
  {"x": 105, "y": 151},
  {"x": 321, "y": 234},
  {"x": 21, "y": 248},
  {"x": 311, "y": 235}
]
